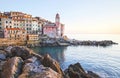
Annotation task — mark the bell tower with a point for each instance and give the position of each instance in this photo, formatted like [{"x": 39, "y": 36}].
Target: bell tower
[
  {"x": 57, "y": 20},
  {"x": 58, "y": 27}
]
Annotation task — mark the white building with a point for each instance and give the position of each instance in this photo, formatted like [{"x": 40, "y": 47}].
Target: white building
[
  {"x": 34, "y": 26},
  {"x": 6, "y": 23}
]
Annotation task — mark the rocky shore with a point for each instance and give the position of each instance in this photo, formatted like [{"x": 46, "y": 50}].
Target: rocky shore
[
  {"x": 21, "y": 62},
  {"x": 70, "y": 42}
]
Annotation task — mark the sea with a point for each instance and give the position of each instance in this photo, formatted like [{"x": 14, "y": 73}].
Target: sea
[{"x": 105, "y": 61}]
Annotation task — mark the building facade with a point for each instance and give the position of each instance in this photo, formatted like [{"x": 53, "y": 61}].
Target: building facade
[
  {"x": 34, "y": 26},
  {"x": 18, "y": 26},
  {"x": 32, "y": 37},
  {"x": 54, "y": 30},
  {"x": 15, "y": 34}
]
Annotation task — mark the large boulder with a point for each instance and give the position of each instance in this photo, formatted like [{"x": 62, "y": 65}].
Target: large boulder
[
  {"x": 22, "y": 52},
  {"x": 31, "y": 71},
  {"x": 12, "y": 68},
  {"x": 76, "y": 71},
  {"x": 34, "y": 69},
  {"x": 49, "y": 62}
]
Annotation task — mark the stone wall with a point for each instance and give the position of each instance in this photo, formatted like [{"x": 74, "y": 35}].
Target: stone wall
[{"x": 6, "y": 42}]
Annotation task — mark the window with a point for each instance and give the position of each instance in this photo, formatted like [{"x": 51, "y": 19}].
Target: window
[
  {"x": 0, "y": 28},
  {"x": 10, "y": 22},
  {"x": 10, "y": 26},
  {"x": 0, "y": 23},
  {"x": 6, "y": 26},
  {"x": 6, "y": 21},
  {"x": 0, "y": 19}
]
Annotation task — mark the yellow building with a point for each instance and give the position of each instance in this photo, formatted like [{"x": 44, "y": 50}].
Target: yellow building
[{"x": 32, "y": 37}]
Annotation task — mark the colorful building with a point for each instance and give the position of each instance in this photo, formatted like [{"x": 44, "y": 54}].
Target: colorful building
[
  {"x": 34, "y": 26},
  {"x": 15, "y": 34},
  {"x": 54, "y": 30},
  {"x": 20, "y": 26},
  {"x": 32, "y": 37}
]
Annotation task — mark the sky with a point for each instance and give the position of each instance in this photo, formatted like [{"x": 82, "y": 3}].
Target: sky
[{"x": 79, "y": 16}]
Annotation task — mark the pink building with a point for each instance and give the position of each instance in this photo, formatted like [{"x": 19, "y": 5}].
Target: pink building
[{"x": 54, "y": 30}]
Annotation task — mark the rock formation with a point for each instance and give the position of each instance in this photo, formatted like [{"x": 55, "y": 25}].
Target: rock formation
[
  {"x": 12, "y": 68},
  {"x": 21, "y": 62}
]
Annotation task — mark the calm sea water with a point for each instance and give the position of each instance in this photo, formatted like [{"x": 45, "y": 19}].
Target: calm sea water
[{"x": 105, "y": 61}]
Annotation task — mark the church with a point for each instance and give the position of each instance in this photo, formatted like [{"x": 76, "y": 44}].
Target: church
[{"x": 54, "y": 30}]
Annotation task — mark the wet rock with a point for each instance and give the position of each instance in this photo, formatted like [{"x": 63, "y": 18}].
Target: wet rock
[
  {"x": 93, "y": 75},
  {"x": 12, "y": 68},
  {"x": 49, "y": 62},
  {"x": 76, "y": 71}
]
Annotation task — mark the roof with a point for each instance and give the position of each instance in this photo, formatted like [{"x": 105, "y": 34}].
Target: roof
[
  {"x": 13, "y": 29},
  {"x": 57, "y": 15},
  {"x": 50, "y": 25}
]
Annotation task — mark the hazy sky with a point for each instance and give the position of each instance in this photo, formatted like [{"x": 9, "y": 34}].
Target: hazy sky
[{"x": 79, "y": 16}]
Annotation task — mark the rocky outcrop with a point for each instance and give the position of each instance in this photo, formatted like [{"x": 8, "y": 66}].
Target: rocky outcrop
[
  {"x": 12, "y": 68},
  {"x": 21, "y": 62},
  {"x": 49, "y": 62},
  {"x": 92, "y": 43},
  {"x": 76, "y": 71},
  {"x": 93, "y": 75},
  {"x": 68, "y": 42},
  {"x": 34, "y": 69},
  {"x": 20, "y": 52}
]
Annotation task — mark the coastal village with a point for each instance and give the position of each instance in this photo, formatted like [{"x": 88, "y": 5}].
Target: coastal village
[
  {"x": 21, "y": 28},
  {"x": 17, "y": 28}
]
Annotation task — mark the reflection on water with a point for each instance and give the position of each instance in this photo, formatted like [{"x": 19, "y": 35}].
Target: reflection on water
[
  {"x": 105, "y": 61},
  {"x": 55, "y": 52}
]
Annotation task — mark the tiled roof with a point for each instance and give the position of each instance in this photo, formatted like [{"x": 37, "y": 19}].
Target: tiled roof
[{"x": 13, "y": 29}]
